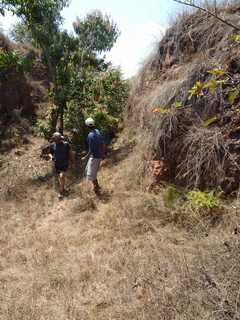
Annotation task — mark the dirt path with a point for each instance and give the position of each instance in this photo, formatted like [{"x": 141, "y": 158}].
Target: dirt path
[{"x": 62, "y": 260}]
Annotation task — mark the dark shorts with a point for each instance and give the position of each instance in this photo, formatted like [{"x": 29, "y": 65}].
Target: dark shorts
[{"x": 60, "y": 169}]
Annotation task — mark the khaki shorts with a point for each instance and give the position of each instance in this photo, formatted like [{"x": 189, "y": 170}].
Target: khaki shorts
[{"x": 92, "y": 168}]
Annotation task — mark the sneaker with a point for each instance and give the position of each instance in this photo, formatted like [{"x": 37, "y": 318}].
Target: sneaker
[
  {"x": 66, "y": 192},
  {"x": 97, "y": 191},
  {"x": 60, "y": 196}
]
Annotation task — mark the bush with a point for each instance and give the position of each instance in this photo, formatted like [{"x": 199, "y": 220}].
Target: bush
[
  {"x": 194, "y": 210},
  {"x": 171, "y": 196},
  {"x": 200, "y": 211},
  {"x": 202, "y": 200},
  {"x": 9, "y": 61},
  {"x": 106, "y": 123},
  {"x": 74, "y": 122},
  {"x": 100, "y": 95},
  {"x": 46, "y": 127},
  {"x": 111, "y": 91},
  {"x": 12, "y": 62}
]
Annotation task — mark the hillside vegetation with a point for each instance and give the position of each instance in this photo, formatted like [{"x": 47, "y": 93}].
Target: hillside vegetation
[
  {"x": 162, "y": 240},
  {"x": 23, "y": 91},
  {"x": 186, "y": 100}
]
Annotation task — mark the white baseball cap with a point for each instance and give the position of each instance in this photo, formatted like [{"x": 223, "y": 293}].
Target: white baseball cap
[
  {"x": 89, "y": 122},
  {"x": 57, "y": 135}
]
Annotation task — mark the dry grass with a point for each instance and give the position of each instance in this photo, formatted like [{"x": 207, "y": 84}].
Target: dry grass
[
  {"x": 203, "y": 157},
  {"x": 120, "y": 257},
  {"x": 169, "y": 130}
]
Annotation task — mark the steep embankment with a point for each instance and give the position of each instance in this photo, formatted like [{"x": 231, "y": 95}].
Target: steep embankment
[
  {"x": 23, "y": 91},
  {"x": 186, "y": 100}
]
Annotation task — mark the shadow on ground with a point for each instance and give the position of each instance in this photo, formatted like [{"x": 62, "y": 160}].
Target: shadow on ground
[
  {"x": 46, "y": 176},
  {"x": 115, "y": 156}
]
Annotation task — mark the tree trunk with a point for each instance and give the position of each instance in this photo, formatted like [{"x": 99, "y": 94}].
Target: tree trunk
[{"x": 61, "y": 124}]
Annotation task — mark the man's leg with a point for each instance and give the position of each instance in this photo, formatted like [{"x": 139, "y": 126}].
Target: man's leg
[
  {"x": 96, "y": 187},
  {"x": 61, "y": 180},
  {"x": 91, "y": 172}
]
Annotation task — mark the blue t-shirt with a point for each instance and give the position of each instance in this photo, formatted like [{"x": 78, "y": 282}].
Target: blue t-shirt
[
  {"x": 95, "y": 144},
  {"x": 60, "y": 152}
]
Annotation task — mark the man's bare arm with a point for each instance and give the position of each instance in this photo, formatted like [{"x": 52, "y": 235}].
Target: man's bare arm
[{"x": 86, "y": 156}]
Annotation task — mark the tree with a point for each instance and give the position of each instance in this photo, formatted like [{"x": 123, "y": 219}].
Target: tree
[
  {"x": 193, "y": 4},
  {"x": 20, "y": 33},
  {"x": 98, "y": 94},
  {"x": 41, "y": 20},
  {"x": 78, "y": 55},
  {"x": 75, "y": 62},
  {"x": 97, "y": 33},
  {"x": 41, "y": 17}
]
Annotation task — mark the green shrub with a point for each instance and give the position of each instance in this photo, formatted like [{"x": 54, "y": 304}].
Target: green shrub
[
  {"x": 193, "y": 210},
  {"x": 112, "y": 91},
  {"x": 74, "y": 123},
  {"x": 101, "y": 95},
  {"x": 105, "y": 122},
  {"x": 11, "y": 61},
  {"x": 171, "y": 196},
  {"x": 197, "y": 200},
  {"x": 44, "y": 129}
]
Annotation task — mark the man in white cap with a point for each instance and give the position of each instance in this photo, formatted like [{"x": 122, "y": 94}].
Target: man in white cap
[
  {"x": 61, "y": 154},
  {"x": 96, "y": 153}
]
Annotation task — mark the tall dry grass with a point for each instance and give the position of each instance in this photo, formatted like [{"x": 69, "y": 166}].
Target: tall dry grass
[{"x": 119, "y": 257}]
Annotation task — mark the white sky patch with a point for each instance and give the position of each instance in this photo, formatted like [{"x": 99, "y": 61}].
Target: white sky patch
[
  {"x": 134, "y": 45},
  {"x": 7, "y": 21}
]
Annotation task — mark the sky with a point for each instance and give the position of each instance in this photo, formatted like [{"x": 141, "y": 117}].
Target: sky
[{"x": 141, "y": 22}]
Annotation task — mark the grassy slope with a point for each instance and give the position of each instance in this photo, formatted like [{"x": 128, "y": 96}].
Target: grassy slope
[
  {"x": 23, "y": 96},
  {"x": 194, "y": 45},
  {"x": 120, "y": 257}
]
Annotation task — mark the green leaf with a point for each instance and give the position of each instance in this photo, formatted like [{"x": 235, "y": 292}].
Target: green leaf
[
  {"x": 211, "y": 85},
  {"x": 196, "y": 89},
  {"x": 233, "y": 95},
  {"x": 217, "y": 72},
  {"x": 236, "y": 38},
  {"x": 161, "y": 110},
  {"x": 209, "y": 121},
  {"x": 178, "y": 104}
]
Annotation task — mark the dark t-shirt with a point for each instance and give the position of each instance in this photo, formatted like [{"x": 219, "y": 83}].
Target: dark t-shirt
[
  {"x": 95, "y": 144},
  {"x": 60, "y": 152}
]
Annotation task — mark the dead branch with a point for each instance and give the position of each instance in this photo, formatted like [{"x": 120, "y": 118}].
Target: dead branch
[{"x": 192, "y": 4}]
